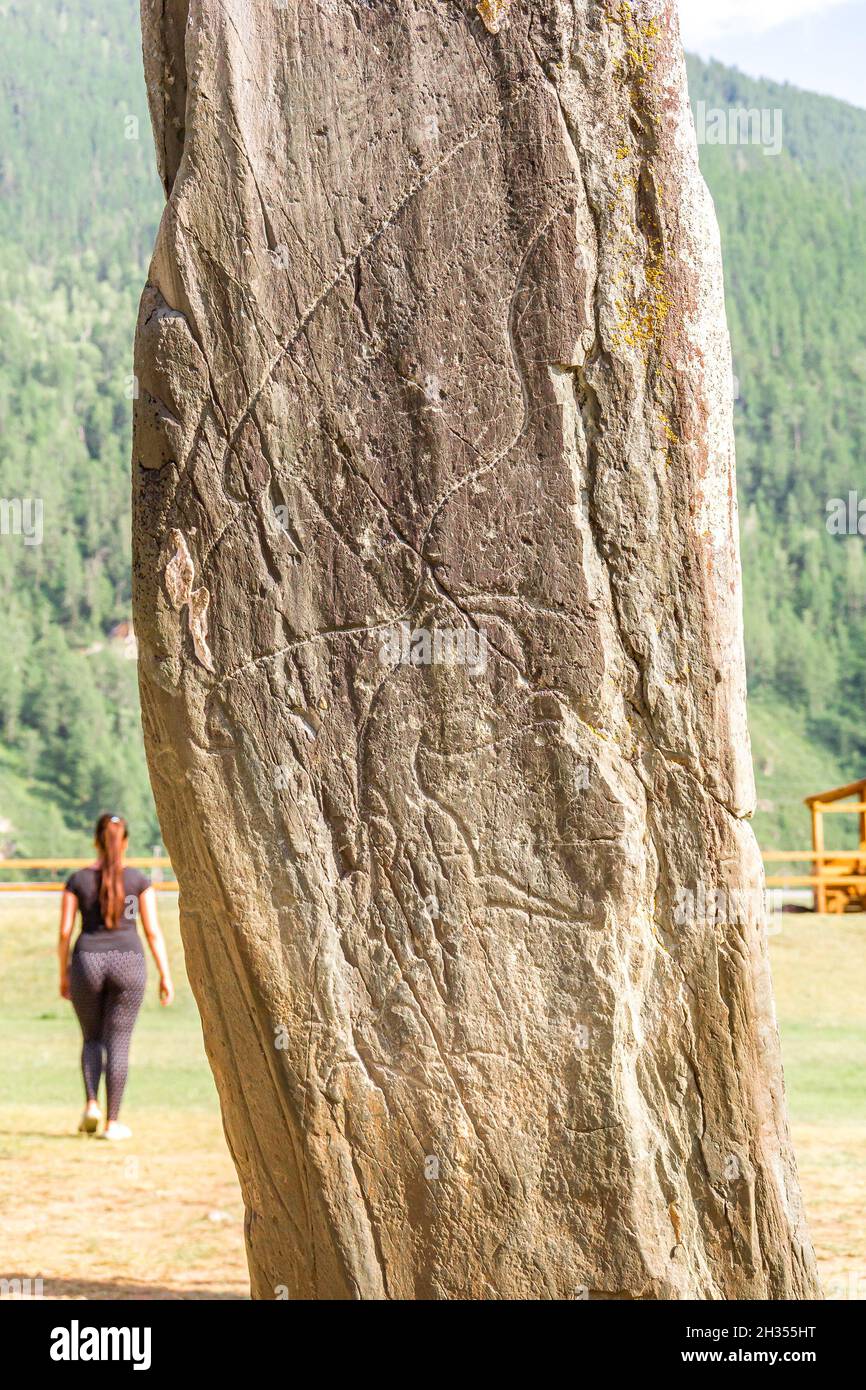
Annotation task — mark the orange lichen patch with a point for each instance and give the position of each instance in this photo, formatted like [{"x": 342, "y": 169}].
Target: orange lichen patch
[{"x": 494, "y": 14}]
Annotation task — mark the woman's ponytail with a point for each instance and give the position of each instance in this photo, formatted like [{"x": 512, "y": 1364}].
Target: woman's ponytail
[{"x": 112, "y": 834}]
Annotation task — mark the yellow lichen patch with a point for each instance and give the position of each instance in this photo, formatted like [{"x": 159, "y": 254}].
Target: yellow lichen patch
[
  {"x": 642, "y": 317},
  {"x": 640, "y": 36},
  {"x": 666, "y": 426},
  {"x": 639, "y": 268},
  {"x": 493, "y": 13}
]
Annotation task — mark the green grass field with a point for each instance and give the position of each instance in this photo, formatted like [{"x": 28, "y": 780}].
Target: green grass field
[
  {"x": 162, "y": 1216},
  {"x": 819, "y": 970},
  {"x": 39, "y": 1032}
]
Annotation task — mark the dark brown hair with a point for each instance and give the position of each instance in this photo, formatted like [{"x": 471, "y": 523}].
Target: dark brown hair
[{"x": 112, "y": 833}]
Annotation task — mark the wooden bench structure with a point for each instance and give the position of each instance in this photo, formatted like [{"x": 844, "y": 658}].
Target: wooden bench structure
[
  {"x": 839, "y": 876},
  {"x": 841, "y": 885}
]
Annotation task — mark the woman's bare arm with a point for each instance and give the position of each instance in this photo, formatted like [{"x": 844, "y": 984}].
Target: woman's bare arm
[
  {"x": 156, "y": 942},
  {"x": 68, "y": 908}
]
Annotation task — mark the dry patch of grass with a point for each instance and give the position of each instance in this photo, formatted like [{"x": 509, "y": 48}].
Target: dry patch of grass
[
  {"x": 157, "y": 1217},
  {"x": 832, "y": 1165}
]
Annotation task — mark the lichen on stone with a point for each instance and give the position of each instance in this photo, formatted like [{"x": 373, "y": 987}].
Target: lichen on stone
[
  {"x": 643, "y": 309},
  {"x": 494, "y": 14},
  {"x": 640, "y": 36}
]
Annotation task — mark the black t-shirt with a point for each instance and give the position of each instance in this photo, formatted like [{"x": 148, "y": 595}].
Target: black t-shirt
[{"x": 95, "y": 935}]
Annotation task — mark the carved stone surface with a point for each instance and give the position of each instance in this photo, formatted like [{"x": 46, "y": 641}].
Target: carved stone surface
[{"x": 437, "y": 596}]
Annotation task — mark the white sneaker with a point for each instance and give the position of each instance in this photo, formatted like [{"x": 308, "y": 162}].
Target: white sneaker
[
  {"x": 89, "y": 1122},
  {"x": 114, "y": 1130}
]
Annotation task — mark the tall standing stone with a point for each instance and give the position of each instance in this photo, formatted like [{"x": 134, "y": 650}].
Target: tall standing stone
[{"x": 437, "y": 595}]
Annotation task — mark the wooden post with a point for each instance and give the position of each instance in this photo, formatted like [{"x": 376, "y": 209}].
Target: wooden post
[{"x": 818, "y": 847}]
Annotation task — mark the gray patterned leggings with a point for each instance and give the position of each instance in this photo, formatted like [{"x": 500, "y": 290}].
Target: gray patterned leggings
[{"x": 106, "y": 989}]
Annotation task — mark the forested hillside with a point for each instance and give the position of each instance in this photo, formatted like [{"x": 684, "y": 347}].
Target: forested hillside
[
  {"x": 78, "y": 213},
  {"x": 80, "y": 203},
  {"x": 794, "y": 242}
]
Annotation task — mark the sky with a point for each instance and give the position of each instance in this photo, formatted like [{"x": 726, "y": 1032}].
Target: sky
[{"x": 816, "y": 44}]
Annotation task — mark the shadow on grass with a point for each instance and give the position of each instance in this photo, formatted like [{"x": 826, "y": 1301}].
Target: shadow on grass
[
  {"x": 72, "y": 1137},
  {"x": 109, "y": 1290}
]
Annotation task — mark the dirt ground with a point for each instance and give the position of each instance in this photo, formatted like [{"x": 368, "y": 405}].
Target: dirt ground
[
  {"x": 159, "y": 1217},
  {"x": 833, "y": 1177}
]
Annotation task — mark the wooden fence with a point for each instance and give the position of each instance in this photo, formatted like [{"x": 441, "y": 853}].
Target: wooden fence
[
  {"x": 16, "y": 865},
  {"x": 781, "y": 856}
]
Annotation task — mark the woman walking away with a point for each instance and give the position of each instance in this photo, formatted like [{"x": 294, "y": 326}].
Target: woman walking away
[{"x": 107, "y": 975}]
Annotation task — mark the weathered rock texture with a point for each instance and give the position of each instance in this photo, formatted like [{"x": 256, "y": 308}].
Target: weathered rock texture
[{"x": 434, "y": 334}]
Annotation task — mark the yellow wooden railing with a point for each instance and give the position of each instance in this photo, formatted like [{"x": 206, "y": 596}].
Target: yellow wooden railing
[
  {"x": 780, "y": 856},
  {"x": 828, "y": 880},
  {"x": 152, "y": 861}
]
